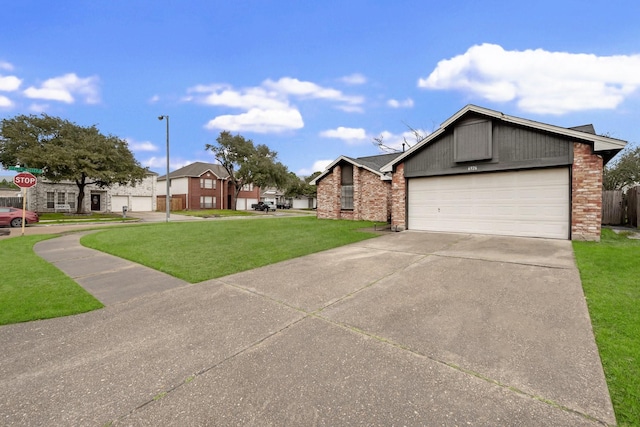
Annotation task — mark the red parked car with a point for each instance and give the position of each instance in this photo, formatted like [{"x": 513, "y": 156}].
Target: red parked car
[{"x": 13, "y": 217}]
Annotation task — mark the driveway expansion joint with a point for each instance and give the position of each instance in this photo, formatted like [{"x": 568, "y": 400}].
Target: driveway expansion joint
[{"x": 502, "y": 261}]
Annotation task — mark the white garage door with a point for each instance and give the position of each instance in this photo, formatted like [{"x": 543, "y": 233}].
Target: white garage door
[
  {"x": 141, "y": 204},
  {"x": 532, "y": 203},
  {"x": 245, "y": 204},
  {"x": 117, "y": 202}
]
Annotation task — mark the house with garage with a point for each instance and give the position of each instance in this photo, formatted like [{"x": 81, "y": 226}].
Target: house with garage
[
  {"x": 355, "y": 188},
  {"x": 486, "y": 172},
  {"x": 49, "y": 196},
  {"x": 202, "y": 185}
]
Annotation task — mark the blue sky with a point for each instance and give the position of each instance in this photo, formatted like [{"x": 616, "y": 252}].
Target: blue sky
[{"x": 314, "y": 80}]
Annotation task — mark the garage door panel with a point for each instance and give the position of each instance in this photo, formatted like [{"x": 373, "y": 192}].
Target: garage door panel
[
  {"x": 117, "y": 202},
  {"x": 523, "y": 203},
  {"x": 141, "y": 204}
]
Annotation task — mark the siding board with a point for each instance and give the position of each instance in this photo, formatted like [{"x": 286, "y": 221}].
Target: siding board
[{"x": 512, "y": 148}]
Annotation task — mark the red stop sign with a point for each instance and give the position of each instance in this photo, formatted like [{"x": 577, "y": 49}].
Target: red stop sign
[{"x": 25, "y": 180}]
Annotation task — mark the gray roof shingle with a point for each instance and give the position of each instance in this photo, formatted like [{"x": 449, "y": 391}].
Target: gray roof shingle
[{"x": 195, "y": 170}]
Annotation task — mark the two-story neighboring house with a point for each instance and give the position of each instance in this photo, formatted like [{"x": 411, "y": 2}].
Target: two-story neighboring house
[
  {"x": 204, "y": 186},
  {"x": 62, "y": 196}
]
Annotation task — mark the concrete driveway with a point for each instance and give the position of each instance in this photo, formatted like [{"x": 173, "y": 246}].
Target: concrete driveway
[{"x": 405, "y": 329}]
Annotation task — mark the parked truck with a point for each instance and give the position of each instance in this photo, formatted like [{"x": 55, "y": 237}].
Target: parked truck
[{"x": 264, "y": 206}]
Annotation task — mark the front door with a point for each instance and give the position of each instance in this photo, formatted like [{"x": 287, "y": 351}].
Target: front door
[{"x": 95, "y": 202}]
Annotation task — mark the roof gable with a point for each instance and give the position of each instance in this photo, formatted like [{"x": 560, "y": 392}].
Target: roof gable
[
  {"x": 370, "y": 163},
  {"x": 584, "y": 133},
  {"x": 197, "y": 169}
]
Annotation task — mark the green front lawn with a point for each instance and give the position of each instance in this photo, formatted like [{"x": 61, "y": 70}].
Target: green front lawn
[
  {"x": 31, "y": 288},
  {"x": 610, "y": 272},
  {"x": 198, "y": 251}
]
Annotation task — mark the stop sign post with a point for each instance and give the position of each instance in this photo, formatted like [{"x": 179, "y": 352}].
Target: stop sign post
[{"x": 25, "y": 180}]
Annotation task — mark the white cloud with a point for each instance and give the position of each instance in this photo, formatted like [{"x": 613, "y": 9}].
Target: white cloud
[
  {"x": 267, "y": 108},
  {"x": 394, "y": 103},
  {"x": 354, "y": 79},
  {"x": 350, "y": 108},
  {"x": 539, "y": 81},
  {"x": 38, "y": 108},
  {"x": 64, "y": 88},
  {"x": 348, "y": 135},
  {"x": 160, "y": 164},
  {"x": 141, "y": 145},
  {"x": 154, "y": 162},
  {"x": 9, "y": 83},
  {"x": 247, "y": 99},
  {"x": 291, "y": 86},
  {"x": 154, "y": 99},
  {"x": 5, "y": 102},
  {"x": 318, "y": 166},
  {"x": 258, "y": 120},
  {"x": 6, "y": 66}
]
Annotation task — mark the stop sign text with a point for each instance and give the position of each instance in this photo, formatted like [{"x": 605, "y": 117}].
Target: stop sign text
[{"x": 25, "y": 180}]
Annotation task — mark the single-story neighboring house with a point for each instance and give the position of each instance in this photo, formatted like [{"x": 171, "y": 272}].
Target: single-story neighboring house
[
  {"x": 485, "y": 172},
  {"x": 202, "y": 185},
  {"x": 355, "y": 188},
  {"x": 47, "y": 196},
  {"x": 272, "y": 194},
  {"x": 303, "y": 202}
]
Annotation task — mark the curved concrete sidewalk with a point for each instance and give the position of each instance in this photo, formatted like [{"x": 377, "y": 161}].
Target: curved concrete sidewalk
[
  {"x": 108, "y": 278},
  {"x": 404, "y": 329}
]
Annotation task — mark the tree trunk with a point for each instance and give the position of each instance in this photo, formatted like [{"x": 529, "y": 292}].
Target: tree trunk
[
  {"x": 81, "y": 185},
  {"x": 235, "y": 199}
]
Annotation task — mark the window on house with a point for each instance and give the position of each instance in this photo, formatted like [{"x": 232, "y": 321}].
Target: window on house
[
  {"x": 207, "y": 202},
  {"x": 207, "y": 183},
  {"x": 247, "y": 187},
  {"x": 62, "y": 198},
  {"x": 51, "y": 200},
  {"x": 71, "y": 200},
  {"x": 346, "y": 191}
]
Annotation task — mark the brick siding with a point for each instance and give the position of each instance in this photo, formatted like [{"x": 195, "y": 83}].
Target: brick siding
[
  {"x": 371, "y": 196},
  {"x": 398, "y": 199},
  {"x": 586, "y": 193},
  {"x": 328, "y": 194}
]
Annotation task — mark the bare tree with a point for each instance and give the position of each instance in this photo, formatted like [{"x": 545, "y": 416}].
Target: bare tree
[{"x": 418, "y": 135}]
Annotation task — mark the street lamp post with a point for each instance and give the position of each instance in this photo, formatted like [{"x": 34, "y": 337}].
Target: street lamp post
[{"x": 168, "y": 197}]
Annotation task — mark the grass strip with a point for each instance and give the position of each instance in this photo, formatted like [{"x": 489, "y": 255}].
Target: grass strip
[
  {"x": 32, "y": 289},
  {"x": 199, "y": 251},
  {"x": 610, "y": 273}
]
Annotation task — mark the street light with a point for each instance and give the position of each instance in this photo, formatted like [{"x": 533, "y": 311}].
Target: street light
[{"x": 168, "y": 199}]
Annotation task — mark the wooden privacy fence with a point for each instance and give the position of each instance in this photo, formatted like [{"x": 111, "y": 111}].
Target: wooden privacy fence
[
  {"x": 11, "y": 202},
  {"x": 175, "y": 204},
  {"x": 612, "y": 207},
  {"x": 619, "y": 208}
]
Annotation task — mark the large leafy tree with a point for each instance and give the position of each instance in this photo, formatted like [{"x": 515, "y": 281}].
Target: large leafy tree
[
  {"x": 297, "y": 186},
  {"x": 624, "y": 171},
  {"x": 68, "y": 152},
  {"x": 247, "y": 163}
]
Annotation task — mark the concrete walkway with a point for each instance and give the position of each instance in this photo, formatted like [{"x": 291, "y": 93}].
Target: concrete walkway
[
  {"x": 404, "y": 329},
  {"x": 108, "y": 278}
]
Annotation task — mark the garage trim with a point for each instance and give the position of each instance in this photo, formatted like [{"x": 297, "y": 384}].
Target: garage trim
[{"x": 530, "y": 203}]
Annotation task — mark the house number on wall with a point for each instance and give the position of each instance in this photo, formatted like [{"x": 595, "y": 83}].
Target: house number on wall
[{"x": 472, "y": 168}]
